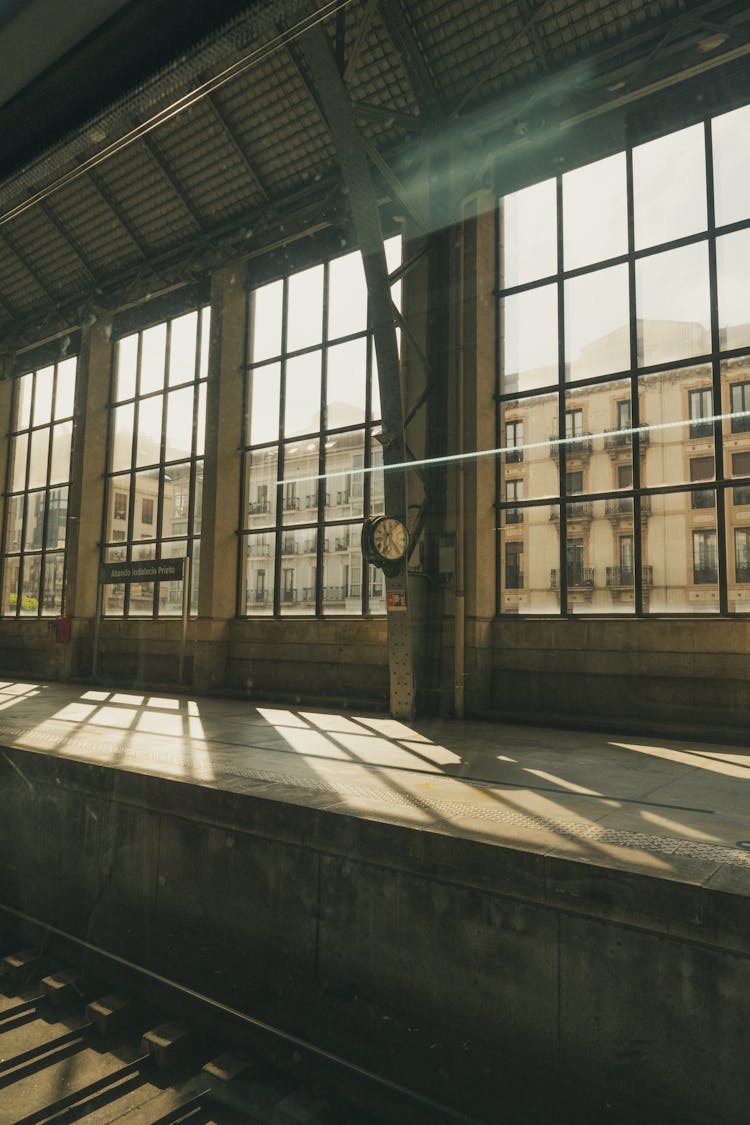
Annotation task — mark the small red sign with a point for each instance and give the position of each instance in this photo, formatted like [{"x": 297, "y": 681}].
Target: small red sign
[{"x": 396, "y": 601}]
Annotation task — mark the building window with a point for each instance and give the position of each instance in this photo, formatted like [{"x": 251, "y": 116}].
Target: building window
[
  {"x": 701, "y": 407},
  {"x": 705, "y": 564},
  {"x": 741, "y": 468},
  {"x": 312, "y": 464},
  {"x": 742, "y": 554},
  {"x": 594, "y": 320},
  {"x": 514, "y": 566},
  {"x": 702, "y": 468},
  {"x": 36, "y": 501},
  {"x": 626, "y": 558},
  {"x": 739, "y": 397},
  {"x": 514, "y": 491},
  {"x": 514, "y": 442},
  {"x": 155, "y": 472}
]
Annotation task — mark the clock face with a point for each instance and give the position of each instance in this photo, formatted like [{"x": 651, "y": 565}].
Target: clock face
[{"x": 390, "y": 538}]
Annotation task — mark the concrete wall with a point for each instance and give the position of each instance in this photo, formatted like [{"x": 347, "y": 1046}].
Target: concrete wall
[
  {"x": 597, "y": 974},
  {"x": 691, "y": 676}
]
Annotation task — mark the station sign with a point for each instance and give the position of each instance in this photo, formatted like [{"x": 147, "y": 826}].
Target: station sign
[{"x": 142, "y": 570}]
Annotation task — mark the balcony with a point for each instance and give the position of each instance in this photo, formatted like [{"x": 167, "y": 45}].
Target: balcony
[
  {"x": 514, "y": 457},
  {"x": 578, "y": 510},
  {"x": 621, "y": 508},
  {"x": 514, "y": 515},
  {"x": 578, "y": 577},
  {"x": 619, "y": 441},
  {"x": 341, "y": 544},
  {"x": 576, "y": 445},
  {"x": 343, "y": 497},
  {"x": 705, "y": 576},
  {"x": 618, "y": 577},
  {"x": 742, "y": 572},
  {"x": 260, "y": 508},
  {"x": 290, "y": 504},
  {"x": 259, "y": 597},
  {"x": 513, "y": 578}
]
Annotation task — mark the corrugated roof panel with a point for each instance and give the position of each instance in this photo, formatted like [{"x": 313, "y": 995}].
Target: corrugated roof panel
[
  {"x": 48, "y": 253},
  {"x": 93, "y": 225}
]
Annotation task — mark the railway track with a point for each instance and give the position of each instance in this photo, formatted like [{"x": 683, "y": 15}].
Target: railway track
[{"x": 72, "y": 1049}]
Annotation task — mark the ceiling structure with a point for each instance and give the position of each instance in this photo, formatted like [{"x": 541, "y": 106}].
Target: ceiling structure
[{"x": 226, "y": 149}]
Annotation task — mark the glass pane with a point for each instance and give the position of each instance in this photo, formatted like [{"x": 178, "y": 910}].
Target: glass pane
[
  {"x": 122, "y": 444},
  {"x": 600, "y": 556},
  {"x": 669, "y": 187},
  {"x": 298, "y": 568},
  {"x": 347, "y": 296},
  {"x": 146, "y": 507},
  {"x": 44, "y": 383},
  {"x": 10, "y": 587},
  {"x": 528, "y": 236},
  {"x": 179, "y": 423},
  {"x": 302, "y": 395},
  {"x": 393, "y": 258},
  {"x": 530, "y": 562},
  {"x": 377, "y": 495},
  {"x": 731, "y": 147},
  {"x": 117, "y": 514},
  {"x": 595, "y": 221},
  {"x": 14, "y": 526},
  {"x": 170, "y": 593},
  {"x": 182, "y": 341},
  {"x": 200, "y": 425},
  {"x": 148, "y": 444},
  {"x": 669, "y": 406},
  {"x": 735, "y": 405},
  {"x": 25, "y": 385},
  {"x": 680, "y": 556},
  {"x": 38, "y": 459},
  {"x": 376, "y": 590},
  {"x": 345, "y": 458},
  {"x": 263, "y": 390},
  {"x": 305, "y": 309},
  {"x": 142, "y": 593},
  {"x": 205, "y": 342},
  {"x": 299, "y": 490},
  {"x": 32, "y": 572},
  {"x": 374, "y": 384},
  {"x": 34, "y": 521},
  {"x": 342, "y": 569},
  {"x": 176, "y": 508},
  {"x": 262, "y": 468},
  {"x": 738, "y": 565},
  {"x": 153, "y": 353},
  {"x": 198, "y": 514},
  {"x": 597, "y": 323},
  {"x": 529, "y": 434},
  {"x": 66, "y": 385},
  {"x": 599, "y": 444},
  {"x": 733, "y": 268},
  {"x": 54, "y": 573},
  {"x": 266, "y": 321},
  {"x": 259, "y": 571},
  {"x": 114, "y": 595},
  {"x": 57, "y": 516},
  {"x": 60, "y": 463},
  {"x": 672, "y": 305},
  {"x": 529, "y": 339},
  {"x": 19, "y": 450},
  {"x": 195, "y": 575},
  {"x": 127, "y": 360},
  {"x": 347, "y": 384}
]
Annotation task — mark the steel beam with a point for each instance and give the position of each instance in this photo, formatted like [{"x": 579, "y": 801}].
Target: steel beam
[
  {"x": 169, "y": 174},
  {"x": 333, "y": 101},
  {"x": 405, "y": 42}
]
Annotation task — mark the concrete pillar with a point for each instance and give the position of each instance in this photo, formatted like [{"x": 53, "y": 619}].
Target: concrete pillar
[
  {"x": 217, "y": 592},
  {"x": 477, "y": 356},
  {"x": 86, "y": 501}
]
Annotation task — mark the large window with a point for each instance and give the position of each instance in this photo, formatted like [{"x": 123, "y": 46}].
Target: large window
[
  {"x": 624, "y": 380},
  {"x": 155, "y": 471},
  {"x": 36, "y": 502},
  {"x": 312, "y": 461}
]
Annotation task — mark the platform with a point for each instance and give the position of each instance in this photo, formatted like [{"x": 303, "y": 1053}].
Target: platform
[
  {"x": 580, "y": 898},
  {"x": 673, "y": 809}
]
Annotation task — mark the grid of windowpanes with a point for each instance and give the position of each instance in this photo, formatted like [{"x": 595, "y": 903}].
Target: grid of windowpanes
[
  {"x": 312, "y": 461},
  {"x": 155, "y": 463},
  {"x": 624, "y": 381},
  {"x": 36, "y": 501}
]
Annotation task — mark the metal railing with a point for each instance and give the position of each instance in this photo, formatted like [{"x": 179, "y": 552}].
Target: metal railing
[
  {"x": 576, "y": 445},
  {"x": 576, "y": 576},
  {"x": 625, "y": 576}
]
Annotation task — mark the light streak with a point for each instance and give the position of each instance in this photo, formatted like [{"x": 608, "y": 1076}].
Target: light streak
[{"x": 477, "y": 454}]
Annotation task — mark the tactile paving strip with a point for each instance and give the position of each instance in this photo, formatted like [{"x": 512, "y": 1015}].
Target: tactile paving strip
[{"x": 439, "y": 809}]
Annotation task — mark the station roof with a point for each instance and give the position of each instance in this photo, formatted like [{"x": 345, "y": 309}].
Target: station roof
[{"x": 215, "y": 145}]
